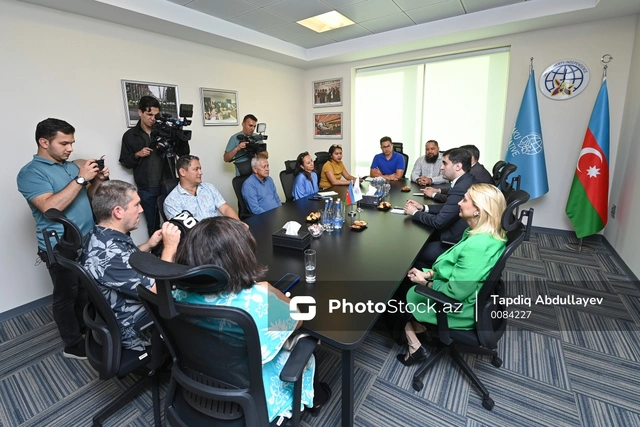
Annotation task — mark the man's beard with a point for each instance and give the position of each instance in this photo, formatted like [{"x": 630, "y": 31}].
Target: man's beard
[{"x": 431, "y": 159}]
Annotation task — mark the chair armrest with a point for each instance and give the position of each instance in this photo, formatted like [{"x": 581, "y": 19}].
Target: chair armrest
[
  {"x": 300, "y": 355},
  {"x": 440, "y": 300},
  {"x": 143, "y": 323},
  {"x": 437, "y": 296}
]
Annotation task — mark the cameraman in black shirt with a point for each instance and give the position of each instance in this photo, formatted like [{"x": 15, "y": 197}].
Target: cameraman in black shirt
[{"x": 150, "y": 167}]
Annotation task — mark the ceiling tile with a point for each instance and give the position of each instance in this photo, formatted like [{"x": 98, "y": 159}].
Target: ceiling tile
[
  {"x": 368, "y": 10},
  {"x": 346, "y": 33},
  {"x": 259, "y": 19},
  {"x": 296, "y": 10},
  {"x": 391, "y": 22},
  {"x": 263, "y": 3},
  {"x": 414, "y": 4},
  {"x": 337, "y": 4},
  {"x": 477, "y": 5},
  {"x": 436, "y": 11},
  {"x": 181, "y": 2},
  {"x": 289, "y": 32},
  {"x": 224, "y": 9},
  {"x": 314, "y": 40}
]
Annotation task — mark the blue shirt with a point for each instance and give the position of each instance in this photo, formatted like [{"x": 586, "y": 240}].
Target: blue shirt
[
  {"x": 388, "y": 167},
  {"x": 260, "y": 196},
  {"x": 204, "y": 204},
  {"x": 303, "y": 187},
  {"x": 41, "y": 176}
]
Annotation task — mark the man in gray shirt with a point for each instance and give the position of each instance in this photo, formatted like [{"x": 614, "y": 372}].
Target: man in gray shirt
[{"x": 426, "y": 170}]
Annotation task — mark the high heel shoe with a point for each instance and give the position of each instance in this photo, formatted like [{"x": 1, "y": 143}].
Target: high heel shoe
[{"x": 417, "y": 356}]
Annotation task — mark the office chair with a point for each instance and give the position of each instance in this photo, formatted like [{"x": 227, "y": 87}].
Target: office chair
[
  {"x": 216, "y": 378},
  {"x": 287, "y": 177},
  {"x": 497, "y": 172},
  {"x": 322, "y": 157},
  {"x": 489, "y": 328},
  {"x": 504, "y": 185},
  {"x": 406, "y": 164},
  {"x": 167, "y": 187},
  {"x": 243, "y": 209},
  {"x": 103, "y": 341}
]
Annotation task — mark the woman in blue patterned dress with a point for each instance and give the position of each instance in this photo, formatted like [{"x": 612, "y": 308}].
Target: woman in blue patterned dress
[{"x": 228, "y": 244}]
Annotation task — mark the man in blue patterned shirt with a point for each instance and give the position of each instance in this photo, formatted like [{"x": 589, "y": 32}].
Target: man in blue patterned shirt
[
  {"x": 107, "y": 248},
  {"x": 201, "y": 199}
]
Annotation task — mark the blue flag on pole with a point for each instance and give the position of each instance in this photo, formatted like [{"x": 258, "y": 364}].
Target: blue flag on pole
[{"x": 525, "y": 148}]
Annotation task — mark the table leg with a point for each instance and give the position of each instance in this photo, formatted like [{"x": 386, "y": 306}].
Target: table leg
[{"x": 347, "y": 388}]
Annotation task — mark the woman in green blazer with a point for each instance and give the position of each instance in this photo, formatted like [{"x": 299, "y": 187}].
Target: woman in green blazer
[{"x": 461, "y": 271}]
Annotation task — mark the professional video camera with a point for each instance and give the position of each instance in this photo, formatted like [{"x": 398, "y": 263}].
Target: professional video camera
[
  {"x": 167, "y": 133},
  {"x": 253, "y": 145}
]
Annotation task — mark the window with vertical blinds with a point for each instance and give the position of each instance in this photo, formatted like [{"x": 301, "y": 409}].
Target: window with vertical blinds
[{"x": 456, "y": 100}]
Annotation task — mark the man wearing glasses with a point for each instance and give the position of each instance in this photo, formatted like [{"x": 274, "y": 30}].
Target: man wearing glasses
[{"x": 388, "y": 164}]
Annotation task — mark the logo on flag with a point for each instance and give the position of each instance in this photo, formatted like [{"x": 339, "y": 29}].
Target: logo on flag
[{"x": 353, "y": 193}]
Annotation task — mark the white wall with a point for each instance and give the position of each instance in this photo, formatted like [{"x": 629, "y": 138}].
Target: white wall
[
  {"x": 56, "y": 64},
  {"x": 563, "y": 122},
  {"x": 623, "y": 232}
]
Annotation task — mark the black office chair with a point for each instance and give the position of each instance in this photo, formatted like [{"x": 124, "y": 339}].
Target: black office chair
[
  {"x": 167, "y": 187},
  {"x": 398, "y": 147},
  {"x": 287, "y": 177},
  {"x": 507, "y": 183},
  {"x": 497, "y": 172},
  {"x": 103, "y": 341},
  {"x": 322, "y": 157},
  {"x": 216, "y": 378},
  {"x": 243, "y": 209},
  {"x": 489, "y": 328}
]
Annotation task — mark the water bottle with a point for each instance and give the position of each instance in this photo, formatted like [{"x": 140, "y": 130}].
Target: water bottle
[
  {"x": 338, "y": 215},
  {"x": 327, "y": 217}
]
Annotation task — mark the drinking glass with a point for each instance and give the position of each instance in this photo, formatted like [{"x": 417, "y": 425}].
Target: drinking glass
[{"x": 310, "y": 265}]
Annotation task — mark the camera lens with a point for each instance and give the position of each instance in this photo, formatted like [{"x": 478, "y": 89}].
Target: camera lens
[{"x": 100, "y": 163}]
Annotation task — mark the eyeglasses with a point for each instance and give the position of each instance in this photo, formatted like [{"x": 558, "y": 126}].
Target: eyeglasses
[
  {"x": 384, "y": 147},
  {"x": 336, "y": 145}
]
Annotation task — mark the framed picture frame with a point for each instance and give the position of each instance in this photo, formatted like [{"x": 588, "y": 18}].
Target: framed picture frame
[
  {"x": 219, "y": 107},
  {"x": 327, "y": 125},
  {"x": 327, "y": 93},
  {"x": 133, "y": 90}
]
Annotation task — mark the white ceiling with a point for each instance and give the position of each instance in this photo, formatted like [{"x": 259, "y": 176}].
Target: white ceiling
[{"x": 267, "y": 28}]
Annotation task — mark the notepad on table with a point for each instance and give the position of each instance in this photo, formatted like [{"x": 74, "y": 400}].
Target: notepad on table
[{"x": 327, "y": 193}]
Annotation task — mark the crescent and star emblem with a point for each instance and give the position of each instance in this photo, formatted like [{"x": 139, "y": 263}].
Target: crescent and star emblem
[{"x": 593, "y": 171}]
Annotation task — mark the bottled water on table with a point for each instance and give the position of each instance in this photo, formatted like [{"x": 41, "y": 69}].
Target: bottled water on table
[{"x": 338, "y": 215}]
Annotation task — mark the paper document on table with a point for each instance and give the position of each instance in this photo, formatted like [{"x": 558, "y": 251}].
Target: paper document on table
[
  {"x": 397, "y": 211},
  {"x": 418, "y": 194},
  {"x": 368, "y": 179},
  {"x": 327, "y": 193}
]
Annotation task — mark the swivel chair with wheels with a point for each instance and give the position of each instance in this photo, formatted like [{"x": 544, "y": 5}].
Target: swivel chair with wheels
[
  {"x": 489, "y": 328},
  {"x": 216, "y": 378},
  {"x": 103, "y": 340}
]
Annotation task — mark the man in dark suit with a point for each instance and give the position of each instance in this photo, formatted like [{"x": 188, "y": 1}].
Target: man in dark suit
[
  {"x": 445, "y": 218},
  {"x": 482, "y": 176}
]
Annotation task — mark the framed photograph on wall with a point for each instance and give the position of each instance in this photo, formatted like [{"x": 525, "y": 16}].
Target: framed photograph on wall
[
  {"x": 327, "y": 125},
  {"x": 219, "y": 107},
  {"x": 132, "y": 91},
  {"x": 327, "y": 93}
]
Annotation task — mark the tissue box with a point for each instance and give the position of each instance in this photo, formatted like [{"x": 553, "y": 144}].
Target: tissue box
[
  {"x": 301, "y": 241},
  {"x": 370, "y": 201}
]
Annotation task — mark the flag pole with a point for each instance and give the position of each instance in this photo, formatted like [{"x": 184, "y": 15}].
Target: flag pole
[{"x": 579, "y": 248}]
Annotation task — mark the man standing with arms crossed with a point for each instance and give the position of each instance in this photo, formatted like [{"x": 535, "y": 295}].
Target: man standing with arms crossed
[{"x": 51, "y": 181}]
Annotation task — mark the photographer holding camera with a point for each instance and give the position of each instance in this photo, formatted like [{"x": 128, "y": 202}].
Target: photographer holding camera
[
  {"x": 150, "y": 166},
  {"x": 242, "y": 147}
]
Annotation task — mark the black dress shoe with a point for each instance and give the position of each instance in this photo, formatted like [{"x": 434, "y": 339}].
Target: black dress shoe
[
  {"x": 321, "y": 395},
  {"x": 415, "y": 357}
]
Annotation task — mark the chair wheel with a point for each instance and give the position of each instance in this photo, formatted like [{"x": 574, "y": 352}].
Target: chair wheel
[
  {"x": 488, "y": 403},
  {"x": 496, "y": 361},
  {"x": 417, "y": 385}
]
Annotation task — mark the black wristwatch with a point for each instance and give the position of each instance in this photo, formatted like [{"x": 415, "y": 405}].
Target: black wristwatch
[{"x": 80, "y": 180}]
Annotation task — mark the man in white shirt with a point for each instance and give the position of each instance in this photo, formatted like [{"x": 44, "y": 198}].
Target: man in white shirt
[{"x": 426, "y": 170}]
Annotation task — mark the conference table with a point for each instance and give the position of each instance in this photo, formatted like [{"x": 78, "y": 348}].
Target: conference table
[{"x": 352, "y": 267}]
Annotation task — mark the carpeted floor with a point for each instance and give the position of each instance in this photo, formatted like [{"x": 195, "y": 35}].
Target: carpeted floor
[{"x": 566, "y": 365}]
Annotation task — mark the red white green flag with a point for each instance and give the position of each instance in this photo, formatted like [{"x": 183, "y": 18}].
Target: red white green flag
[{"x": 589, "y": 195}]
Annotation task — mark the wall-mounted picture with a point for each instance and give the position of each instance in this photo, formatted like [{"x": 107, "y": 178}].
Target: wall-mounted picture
[
  {"x": 219, "y": 107},
  {"x": 327, "y": 93},
  {"x": 133, "y": 91},
  {"x": 327, "y": 126}
]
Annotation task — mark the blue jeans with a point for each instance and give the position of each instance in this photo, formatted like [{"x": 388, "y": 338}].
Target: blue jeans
[{"x": 149, "y": 202}]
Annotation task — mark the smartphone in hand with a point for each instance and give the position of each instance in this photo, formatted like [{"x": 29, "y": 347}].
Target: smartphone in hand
[{"x": 286, "y": 282}]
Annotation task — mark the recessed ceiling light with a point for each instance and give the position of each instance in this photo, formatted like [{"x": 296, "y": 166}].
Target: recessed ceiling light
[{"x": 326, "y": 21}]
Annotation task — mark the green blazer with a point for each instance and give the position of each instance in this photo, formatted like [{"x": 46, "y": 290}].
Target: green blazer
[{"x": 459, "y": 273}]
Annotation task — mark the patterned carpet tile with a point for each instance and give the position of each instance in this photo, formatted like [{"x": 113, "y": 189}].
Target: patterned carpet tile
[
  {"x": 390, "y": 405},
  {"x": 600, "y": 334},
  {"x": 25, "y": 323},
  {"x": 526, "y": 266},
  {"x": 608, "y": 263},
  {"x": 600, "y": 303},
  {"x": 548, "y": 240},
  {"x": 577, "y": 276},
  {"x": 39, "y": 386},
  {"x": 605, "y": 378},
  {"x": 373, "y": 352},
  {"x": 528, "y": 250},
  {"x": 516, "y": 349},
  {"x": 520, "y": 401},
  {"x": 632, "y": 305},
  {"x": 566, "y": 257},
  {"x": 596, "y": 413},
  {"x": 624, "y": 287},
  {"x": 27, "y": 349}
]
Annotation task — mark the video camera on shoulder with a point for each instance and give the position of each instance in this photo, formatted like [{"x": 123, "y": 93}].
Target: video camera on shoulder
[
  {"x": 254, "y": 146},
  {"x": 167, "y": 133}
]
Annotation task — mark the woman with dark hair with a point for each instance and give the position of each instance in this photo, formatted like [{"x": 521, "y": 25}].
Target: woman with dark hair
[
  {"x": 334, "y": 170},
  {"x": 306, "y": 180},
  {"x": 225, "y": 242}
]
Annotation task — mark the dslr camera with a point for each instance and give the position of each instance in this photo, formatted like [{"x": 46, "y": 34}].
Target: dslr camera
[
  {"x": 167, "y": 133},
  {"x": 254, "y": 142}
]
